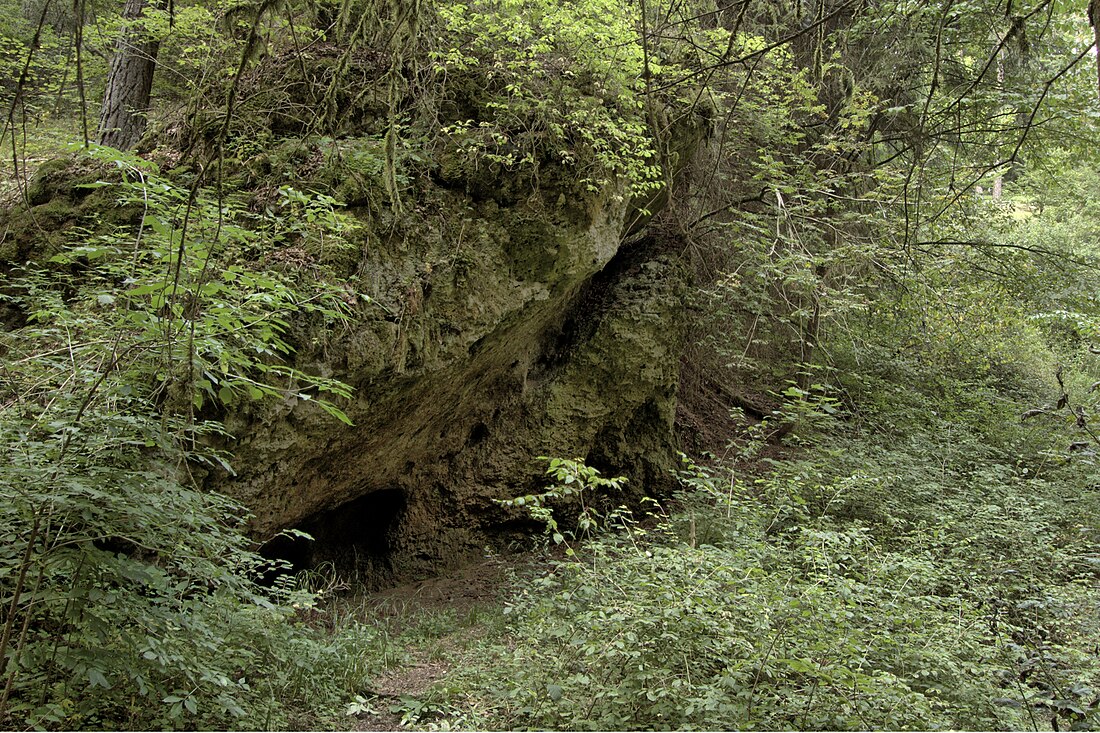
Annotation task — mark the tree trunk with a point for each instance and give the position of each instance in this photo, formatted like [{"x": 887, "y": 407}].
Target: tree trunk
[
  {"x": 129, "y": 83},
  {"x": 1094, "y": 21}
]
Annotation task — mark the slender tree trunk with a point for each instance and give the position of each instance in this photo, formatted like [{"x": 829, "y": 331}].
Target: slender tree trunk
[
  {"x": 998, "y": 182},
  {"x": 129, "y": 83},
  {"x": 1094, "y": 21}
]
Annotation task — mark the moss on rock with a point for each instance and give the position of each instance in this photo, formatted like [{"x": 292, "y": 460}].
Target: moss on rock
[
  {"x": 64, "y": 193},
  {"x": 480, "y": 348}
]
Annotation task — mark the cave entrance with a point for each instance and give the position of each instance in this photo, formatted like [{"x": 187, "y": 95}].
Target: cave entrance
[{"x": 355, "y": 539}]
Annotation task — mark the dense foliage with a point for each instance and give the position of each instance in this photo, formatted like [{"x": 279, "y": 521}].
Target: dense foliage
[
  {"x": 888, "y": 211},
  {"x": 122, "y": 580},
  {"x": 934, "y": 569}
]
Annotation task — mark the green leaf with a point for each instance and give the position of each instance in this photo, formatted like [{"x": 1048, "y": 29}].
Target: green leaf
[{"x": 97, "y": 679}]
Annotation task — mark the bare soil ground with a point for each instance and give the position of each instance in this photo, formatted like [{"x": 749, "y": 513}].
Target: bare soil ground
[
  {"x": 461, "y": 594},
  {"x": 460, "y": 590}
]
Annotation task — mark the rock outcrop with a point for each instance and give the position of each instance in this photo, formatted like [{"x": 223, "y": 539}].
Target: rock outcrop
[
  {"x": 498, "y": 331},
  {"x": 495, "y": 321}
]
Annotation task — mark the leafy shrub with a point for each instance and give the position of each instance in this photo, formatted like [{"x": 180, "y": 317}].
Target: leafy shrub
[
  {"x": 572, "y": 479},
  {"x": 868, "y": 588},
  {"x": 558, "y": 84},
  {"x": 129, "y": 594}
]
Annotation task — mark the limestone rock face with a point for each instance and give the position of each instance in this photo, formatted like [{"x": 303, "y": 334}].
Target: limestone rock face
[{"x": 497, "y": 331}]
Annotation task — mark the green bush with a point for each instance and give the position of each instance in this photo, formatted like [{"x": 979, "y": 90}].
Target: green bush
[
  {"x": 129, "y": 595},
  {"x": 901, "y": 588}
]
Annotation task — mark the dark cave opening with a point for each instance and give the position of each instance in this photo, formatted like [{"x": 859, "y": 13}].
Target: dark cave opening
[
  {"x": 479, "y": 433},
  {"x": 354, "y": 539}
]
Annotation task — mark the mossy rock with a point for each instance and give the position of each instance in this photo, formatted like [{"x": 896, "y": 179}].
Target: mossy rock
[
  {"x": 60, "y": 196},
  {"x": 48, "y": 179}
]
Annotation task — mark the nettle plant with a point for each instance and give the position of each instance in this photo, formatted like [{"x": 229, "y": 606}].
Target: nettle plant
[
  {"x": 128, "y": 595},
  {"x": 209, "y": 326}
]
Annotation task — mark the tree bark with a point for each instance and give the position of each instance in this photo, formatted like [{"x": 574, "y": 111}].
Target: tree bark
[
  {"x": 1094, "y": 21},
  {"x": 129, "y": 83}
]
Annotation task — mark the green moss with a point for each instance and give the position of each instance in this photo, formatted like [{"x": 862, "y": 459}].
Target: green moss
[
  {"x": 9, "y": 250},
  {"x": 60, "y": 197},
  {"x": 532, "y": 246},
  {"x": 35, "y": 232},
  {"x": 49, "y": 176}
]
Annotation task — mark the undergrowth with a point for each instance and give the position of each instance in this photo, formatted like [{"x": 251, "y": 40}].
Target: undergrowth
[
  {"x": 130, "y": 596},
  {"x": 937, "y": 576}
]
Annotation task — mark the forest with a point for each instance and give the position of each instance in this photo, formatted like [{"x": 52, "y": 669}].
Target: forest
[{"x": 549, "y": 365}]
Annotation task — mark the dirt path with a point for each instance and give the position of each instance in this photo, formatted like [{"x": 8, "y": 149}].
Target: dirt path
[
  {"x": 460, "y": 590},
  {"x": 460, "y": 595}
]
